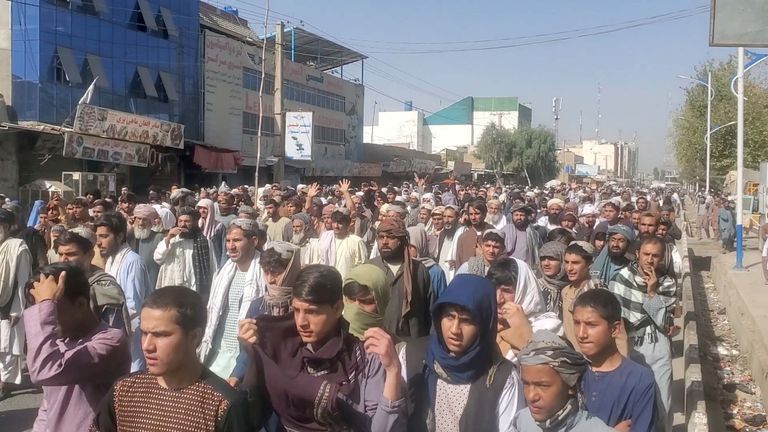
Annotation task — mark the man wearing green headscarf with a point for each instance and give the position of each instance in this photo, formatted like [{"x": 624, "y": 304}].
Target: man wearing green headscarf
[{"x": 366, "y": 296}]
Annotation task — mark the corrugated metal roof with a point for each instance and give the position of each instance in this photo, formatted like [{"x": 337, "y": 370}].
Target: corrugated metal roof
[{"x": 225, "y": 22}]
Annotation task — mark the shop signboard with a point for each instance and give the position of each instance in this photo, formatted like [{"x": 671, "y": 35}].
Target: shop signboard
[
  {"x": 298, "y": 135},
  {"x": 105, "y": 150},
  {"x": 118, "y": 125},
  {"x": 584, "y": 170}
]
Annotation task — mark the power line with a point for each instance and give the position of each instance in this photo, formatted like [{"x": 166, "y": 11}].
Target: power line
[{"x": 503, "y": 39}]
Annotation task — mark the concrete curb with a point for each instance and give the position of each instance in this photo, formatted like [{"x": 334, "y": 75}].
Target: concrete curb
[
  {"x": 743, "y": 295},
  {"x": 695, "y": 404}
]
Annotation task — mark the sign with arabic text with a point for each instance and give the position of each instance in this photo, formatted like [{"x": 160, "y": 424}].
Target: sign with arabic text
[
  {"x": 118, "y": 125},
  {"x": 298, "y": 135},
  {"x": 105, "y": 150}
]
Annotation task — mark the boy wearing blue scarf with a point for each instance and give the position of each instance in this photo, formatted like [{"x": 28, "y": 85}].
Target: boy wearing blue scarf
[{"x": 457, "y": 378}]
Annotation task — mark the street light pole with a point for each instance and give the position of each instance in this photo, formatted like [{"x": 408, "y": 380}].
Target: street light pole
[
  {"x": 709, "y": 123},
  {"x": 710, "y": 96},
  {"x": 740, "y": 160}
]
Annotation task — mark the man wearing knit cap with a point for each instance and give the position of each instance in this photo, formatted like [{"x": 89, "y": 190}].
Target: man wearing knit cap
[
  {"x": 551, "y": 370},
  {"x": 413, "y": 209},
  {"x": 304, "y": 237},
  {"x": 145, "y": 237},
  {"x": 587, "y": 219},
  {"x": 408, "y": 311},
  {"x": 552, "y": 219}
]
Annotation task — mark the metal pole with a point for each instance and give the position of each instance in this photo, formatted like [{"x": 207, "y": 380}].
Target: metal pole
[
  {"x": 279, "y": 167},
  {"x": 710, "y": 95},
  {"x": 740, "y": 161}
]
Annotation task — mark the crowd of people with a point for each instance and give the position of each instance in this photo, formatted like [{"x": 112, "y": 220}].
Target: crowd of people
[{"x": 452, "y": 306}]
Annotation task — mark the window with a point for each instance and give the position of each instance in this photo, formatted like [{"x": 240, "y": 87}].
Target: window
[
  {"x": 251, "y": 125},
  {"x": 168, "y": 82},
  {"x": 252, "y": 81},
  {"x": 328, "y": 135},
  {"x": 166, "y": 24},
  {"x": 312, "y": 96},
  {"x": 142, "y": 17},
  {"x": 65, "y": 68},
  {"x": 93, "y": 68},
  {"x": 142, "y": 85}
]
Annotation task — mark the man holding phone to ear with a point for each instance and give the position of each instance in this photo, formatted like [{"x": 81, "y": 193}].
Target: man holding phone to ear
[{"x": 70, "y": 353}]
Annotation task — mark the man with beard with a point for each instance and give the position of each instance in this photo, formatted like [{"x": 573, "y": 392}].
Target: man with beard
[
  {"x": 437, "y": 220},
  {"x": 648, "y": 296},
  {"x": 610, "y": 215},
  {"x": 469, "y": 240},
  {"x": 495, "y": 216},
  {"x": 303, "y": 237},
  {"x": 522, "y": 238},
  {"x": 212, "y": 229},
  {"x": 338, "y": 247},
  {"x": 274, "y": 222},
  {"x": 493, "y": 249},
  {"x": 234, "y": 287},
  {"x": 587, "y": 219},
  {"x": 413, "y": 209},
  {"x": 185, "y": 256},
  {"x": 17, "y": 261},
  {"x": 147, "y": 234},
  {"x": 552, "y": 219},
  {"x": 128, "y": 269},
  {"x": 447, "y": 240},
  {"x": 408, "y": 310},
  {"x": 613, "y": 257},
  {"x": 226, "y": 208},
  {"x": 107, "y": 298}
]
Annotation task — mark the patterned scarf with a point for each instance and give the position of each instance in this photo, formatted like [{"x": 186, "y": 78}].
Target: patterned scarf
[
  {"x": 201, "y": 264},
  {"x": 630, "y": 288},
  {"x": 552, "y": 287}
]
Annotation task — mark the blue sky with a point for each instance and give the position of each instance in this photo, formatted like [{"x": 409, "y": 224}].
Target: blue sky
[{"x": 636, "y": 68}]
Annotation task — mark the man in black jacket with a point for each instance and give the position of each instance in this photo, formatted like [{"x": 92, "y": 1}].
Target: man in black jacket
[{"x": 408, "y": 311}]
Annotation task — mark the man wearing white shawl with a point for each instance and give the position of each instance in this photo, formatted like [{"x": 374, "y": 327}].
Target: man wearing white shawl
[
  {"x": 521, "y": 311},
  {"x": 212, "y": 229},
  {"x": 339, "y": 248},
  {"x": 15, "y": 271},
  {"x": 234, "y": 287}
]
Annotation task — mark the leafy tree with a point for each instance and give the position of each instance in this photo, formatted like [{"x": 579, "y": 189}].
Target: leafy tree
[
  {"x": 656, "y": 173},
  {"x": 526, "y": 150},
  {"x": 493, "y": 147},
  {"x": 690, "y": 123}
]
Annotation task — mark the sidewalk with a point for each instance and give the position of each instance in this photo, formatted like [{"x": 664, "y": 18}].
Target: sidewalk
[{"x": 745, "y": 297}]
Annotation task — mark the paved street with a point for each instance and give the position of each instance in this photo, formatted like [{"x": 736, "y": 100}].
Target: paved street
[{"x": 18, "y": 412}]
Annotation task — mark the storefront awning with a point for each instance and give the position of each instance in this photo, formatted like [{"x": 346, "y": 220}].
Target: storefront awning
[{"x": 215, "y": 160}]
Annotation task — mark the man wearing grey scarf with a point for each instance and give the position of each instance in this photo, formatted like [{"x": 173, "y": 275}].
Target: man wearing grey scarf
[{"x": 551, "y": 370}]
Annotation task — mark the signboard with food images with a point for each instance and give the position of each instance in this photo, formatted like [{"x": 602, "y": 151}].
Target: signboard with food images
[
  {"x": 105, "y": 150},
  {"x": 118, "y": 125}
]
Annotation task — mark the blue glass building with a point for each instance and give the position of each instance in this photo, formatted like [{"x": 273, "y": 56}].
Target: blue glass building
[{"x": 145, "y": 53}]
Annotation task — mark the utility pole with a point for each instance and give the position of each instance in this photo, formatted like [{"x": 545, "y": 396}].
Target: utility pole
[
  {"x": 373, "y": 119},
  {"x": 581, "y": 124},
  {"x": 740, "y": 160},
  {"x": 599, "y": 115},
  {"x": 279, "y": 168},
  {"x": 557, "y": 104}
]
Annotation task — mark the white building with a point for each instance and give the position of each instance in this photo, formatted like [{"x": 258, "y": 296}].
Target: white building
[
  {"x": 459, "y": 125},
  {"x": 616, "y": 159},
  {"x": 404, "y": 129}
]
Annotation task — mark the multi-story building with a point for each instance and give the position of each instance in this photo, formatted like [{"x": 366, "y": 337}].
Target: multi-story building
[
  {"x": 143, "y": 52},
  {"x": 457, "y": 126},
  {"x": 313, "y": 82}
]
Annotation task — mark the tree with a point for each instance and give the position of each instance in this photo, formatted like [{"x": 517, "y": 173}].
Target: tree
[
  {"x": 493, "y": 147},
  {"x": 656, "y": 173},
  {"x": 690, "y": 123},
  {"x": 527, "y": 151}
]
